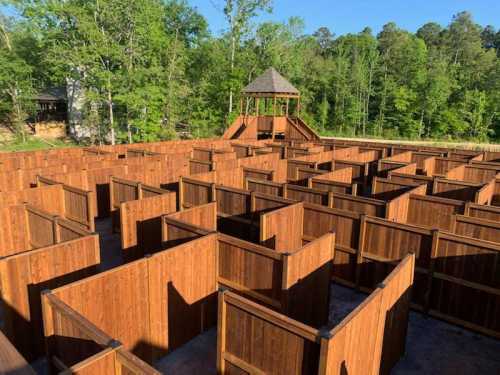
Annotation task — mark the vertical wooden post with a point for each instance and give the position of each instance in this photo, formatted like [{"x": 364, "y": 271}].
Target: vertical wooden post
[
  {"x": 111, "y": 195},
  {"x": 359, "y": 254},
  {"x": 221, "y": 334},
  {"x": 139, "y": 190},
  {"x": 56, "y": 230},
  {"x": 213, "y": 192},
  {"x": 181, "y": 194},
  {"x": 48, "y": 326},
  {"x": 257, "y": 102},
  {"x": 90, "y": 210},
  {"x": 287, "y": 106},
  {"x": 467, "y": 209},
  {"x": 274, "y": 115},
  {"x": 430, "y": 275}
]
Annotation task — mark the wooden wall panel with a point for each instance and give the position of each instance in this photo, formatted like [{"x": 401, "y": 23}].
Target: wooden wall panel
[
  {"x": 71, "y": 340},
  {"x": 321, "y": 220},
  {"x": 307, "y": 276},
  {"x": 204, "y": 216},
  {"x": 250, "y": 269},
  {"x": 79, "y": 204},
  {"x": 392, "y": 241},
  {"x": 477, "y": 228},
  {"x": 433, "y": 212},
  {"x": 384, "y": 313},
  {"x": 102, "y": 363},
  {"x": 232, "y": 202},
  {"x": 41, "y": 228},
  {"x": 479, "y": 174},
  {"x": 117, "y": 302},
  {"x": 24, "y": 276},
  {"x": 304, "y": 194},
  {"x": 11, "y": 180},
  {"x": 397, "y": 208},
  {"x": 340, "y": 175},
  {"x": 495, "y": 201},
  {"x": 258, "y": 174},
  {"x": 47, "y": 198},
  {"x": 410, "y": 179},
  {"x": 335, "y": 187},
  {"x": 264, "y": 187},
  {"x": 482, "y": 212},
  {"x": 194, "y": 192},
  {"x": 387, "y": 189},
  {"x": 351, "y": 350},
  {"x": 282, "y": 229},
  {"x": 396, "y": 305},
  {"x": 368, "y": 206},
  {"x": 11, "y": 362},
  {"x": 182, "y": 300},
  {"x": 262, "y": 203},
  {"x": 443, "y": 165},
  {"x": 232, "y": 177},
  {"x": 14, "y": 230},
  {"x": 140, "y": 223},
  {"x": 455, "y": 190},
  {"x": 466, "y": 283},
  {"x": 456, "y": 173},
  {"x": 485, "y": 194},
  {"x": 242, "y": 327},
  {"x": 79, "y": 207},
  {"x": 199, "y": 166},
  {"x": 174, "y": 232}
]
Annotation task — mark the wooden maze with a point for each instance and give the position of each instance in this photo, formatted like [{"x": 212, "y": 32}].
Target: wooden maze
[{"x": 246, "y": 236}]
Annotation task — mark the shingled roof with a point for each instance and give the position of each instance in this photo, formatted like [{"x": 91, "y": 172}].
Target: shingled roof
[
  {"x": 270, "y": 82},
  {"x": 52, "y": 94}
]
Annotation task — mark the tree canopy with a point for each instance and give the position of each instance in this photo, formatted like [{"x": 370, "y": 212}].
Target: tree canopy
[{"x": 145, "y": 66}]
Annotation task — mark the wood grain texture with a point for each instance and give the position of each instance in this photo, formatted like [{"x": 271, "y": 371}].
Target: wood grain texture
[
  {"x": 140, "y": 222},
  {"x": 204, "y": 216},
  {"x": 182, "y": 286},
  {"x": 282, "y": 229},
  {"x": 25, "y": 275},
  {"x": 433, "y": 212},
  {"x": 11, "y": 362}
]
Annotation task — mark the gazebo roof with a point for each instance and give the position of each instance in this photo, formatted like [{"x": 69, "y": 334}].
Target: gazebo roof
[
  {"x": 52, "y": 94},
  {"x": 270, "y": 82}
]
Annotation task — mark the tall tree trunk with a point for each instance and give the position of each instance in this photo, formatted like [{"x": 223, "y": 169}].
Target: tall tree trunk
[
  {"x": 111, "y": 114},
  {"x": 368, "y": 96},
  {"x": 170, "y": 77},
  {"x": 14, "y": 93},
  {"x": 130, "y": 67},
  {"x": 233, "y": 53},
  {"x": 383, "y": 103}
]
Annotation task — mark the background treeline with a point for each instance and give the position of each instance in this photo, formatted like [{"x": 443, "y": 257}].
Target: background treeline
[{"x": 146, "y": 65}]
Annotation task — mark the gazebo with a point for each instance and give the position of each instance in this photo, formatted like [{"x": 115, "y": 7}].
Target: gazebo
[
  {"x": 270, "y": 109},
  {"x": 273, "y": 91}
]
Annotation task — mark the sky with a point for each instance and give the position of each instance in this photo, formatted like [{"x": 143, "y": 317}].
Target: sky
[{"x": 351, "y": 16}]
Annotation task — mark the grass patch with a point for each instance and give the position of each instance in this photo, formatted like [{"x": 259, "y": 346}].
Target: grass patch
[{"x": 33, "y": 144}]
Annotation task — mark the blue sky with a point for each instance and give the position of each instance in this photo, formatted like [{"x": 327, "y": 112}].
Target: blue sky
[{"x": 344, "y": 16}]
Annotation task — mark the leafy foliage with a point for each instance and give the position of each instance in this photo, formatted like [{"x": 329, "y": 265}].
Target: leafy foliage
[{"x": 146, "y": 66}]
